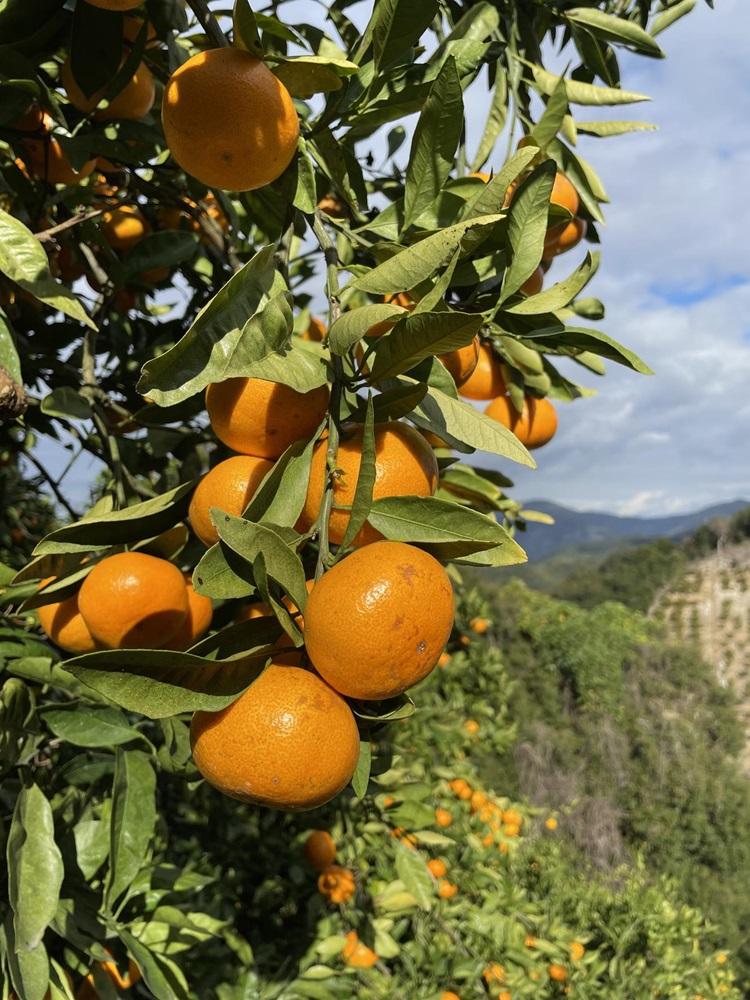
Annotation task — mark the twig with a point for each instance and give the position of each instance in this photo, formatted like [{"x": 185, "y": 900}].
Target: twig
[
  {"x": 208, "y": 21},
  {"x": 53, "y": 485},
  {"x": 47, "y": 234}
]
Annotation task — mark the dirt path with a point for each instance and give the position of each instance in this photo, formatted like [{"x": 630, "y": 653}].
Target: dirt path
[{"x": 710, "y": 606}]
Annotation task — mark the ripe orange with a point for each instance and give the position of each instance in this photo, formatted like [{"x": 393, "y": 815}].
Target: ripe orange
[
  {"x": 46, "y": 159},
  {"x": 134, "y": 100},
  {"x": 512, "y": 816},
  {"x": 262, "y": 418},
  {"x": 437, "y": 867},
  {"x": 486, "y": 381},
  {"x": 462, "y": 362},
  {"x": 494, "y": 973},
  {"x": 444, "y": 659},
  {"x": 337, "y": 884},
  {"x": 529, "y": 941},
  {"x": 316, "y": 330},
  {"x": 551, "y": 823},
  {"x": 377, "y": 622},
  {"x": 565, "y": 237},
  {"x": 577, "y": 951},
  {"x": 88, "y": 991},
  {"x": 405, "y": 465},
  {"x": 479, "y": 625},
  {"x": 534, "y": 427},
  {"x": 332, "y": 205},
  {"x": 534, "y": 284},
  {"x": 449, "y": 995},
  {"x": 229, "y": 121},
  {"x": 64, "y": 624},
  {"x": 288, "y": 742},
  {"x": 472, "y": 728},
  {"x": 557, "y": 972},
  {"x": 115, "y": 4},
  {"x": 478, "y": 800},
  {"x": 443, "y": 817},
  {"x": 511, "y": 829},
  {"x": 356, "y": 954},
  {"x": 123, "y": 227},
  {"x": 132, "y": 600},
  {"x": 320, "y": 849},
  {"x": 564, "y": 194},
  {"x": 198, "y": 620},
  {"x": 229, "y": 486},
  {"x": 446, "y": 889}
]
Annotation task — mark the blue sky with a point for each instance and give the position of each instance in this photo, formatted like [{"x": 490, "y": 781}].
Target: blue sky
[{"x": 675, "y": 277}]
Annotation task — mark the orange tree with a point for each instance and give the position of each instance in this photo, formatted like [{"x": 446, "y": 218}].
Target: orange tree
[{"x": 155, "y": 267}]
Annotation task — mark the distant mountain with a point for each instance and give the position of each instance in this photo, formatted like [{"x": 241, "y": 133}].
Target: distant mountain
[{"x": 592, "y": 530}]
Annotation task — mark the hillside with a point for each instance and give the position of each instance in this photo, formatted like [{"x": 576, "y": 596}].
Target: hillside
[
  {"x": 598, "y": 533},
  {"x": 709, "y": 606}
]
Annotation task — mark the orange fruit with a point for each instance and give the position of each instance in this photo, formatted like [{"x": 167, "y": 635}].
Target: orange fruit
[
  {"x": 479, "y": 625},
  {"x": 134, "y": 101},
  {"x": 262, "y": 418},
  {"x": 288, "y": 742},
  {"x": 437, "y": 867},
  {"x": 577, "y": 951},
  {"x": 534, "y": 426},
  {"x": 115, "y": 4},
  {"x": 486, "y": 381},
  {"x": 478, "y": 799},
  {"x": 449, "y": 995},
  {"x": 557, "y": 972},
  {"x": 46, "y": 159},
  {"x": 332, "y": 205},
  {"x": 356, "y": 954},
  {"x": 511, "y": 829},
  {"x": 87, "y": 990},
  {"x": 337, "y": 884},
  {"x": 124, "y": 226},
  {"x": 564, "y": 237},
  {"x": 564, "y": 194},
  {"x": 443, "y": 817},
  {"x": 457, "y": 785},
  {"x": 229, "y": 121},
  {"x": 472, "y": 728},
  {"x": 132, "y": 600},
  {"x": 551, "y": 823},
  {"x": 64, "y": 624},
  {"x": 320, "y": 849},
  {"x": 534, "y": 284},
  {"x": 446, "y": 889},
  {"x": 494, "y": 973},
  {"x": 405, "y": 465},
  {"x": 462, "y": 362},
  {"x": 512, "y": 816},
  {"x": 529, "y": 941},
  {"x": 198, "y": 620},
  {"x": 131, "y": 28},
  {"x": 229, "y": 486},
  {"x": 444, "y": 659},
  {"x": 387, "y": 589},
  {"x": 482, "y": 175},
  {"x": 316, "y": 330}
]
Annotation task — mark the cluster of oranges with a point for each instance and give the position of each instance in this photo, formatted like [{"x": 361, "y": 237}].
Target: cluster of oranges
[
  {"x": 130, "y": 600},
  {"x": 336, "y": 883},
  {"x": 290, "y": 740},
  {"x": 498, "y": 825}
]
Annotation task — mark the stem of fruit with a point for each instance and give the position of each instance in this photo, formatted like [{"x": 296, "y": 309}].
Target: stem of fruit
[
  {"x": 208, "y": 21},
  {"x": 334, "y": 311}
]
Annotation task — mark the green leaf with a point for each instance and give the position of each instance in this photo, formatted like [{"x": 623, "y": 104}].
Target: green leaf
[
  {"x": 667, "y": 17},
  {"x": 416, "y": 263},
  {"x": 133, "y": 820},
  {"x": 395, "y": 26},
  {"x": 588, "y": 339},
  {"x": 228, "y": 334},
  {"x": 95, "y": 47},
  {"x": 161, "y": 976},
  {"x": 606, "y": 129},
  {"x": 421, "y": 335},
  {"x": 67, "y": 403},
  {"x": 223, "y": 575},
  {"x": 527, "y": 226},
  {"x": 160, "y": 683},
  {"x": 450, "y": 529},
  {"x": 491, "y": 196},
  {"x": 361, "y": 776},
  {"x": 435, "y": 140},
  {"x": 246, "y": 35},
  {"x": 393, "y": 403},
  {"x": 615, "y": 29},
  {"x": 551, "y": 121},
  {"x": 305, "y": 196},
  {"x": 9, "y": 359},
  {"x": 248, "y": 540},
  {"x": 281, "y": 496},
  {"x": 169, "y": 248},
  {"x": 24, "y": 261},
  {"x": 299, "y": 367},
  {"x": 443, "y": 415},
  {"x": 362, "y": 500},
  {"x": 35, "y": 868},
  {"x": 306, "y": 75},
  {"x": 585, "y": 93},
  {"x": 92, "y": 840},
  {"x": 142, "y": 520},
  {"x": 90, "y": 726},
  {"x": 559, "y": 294},
  {"x": 413, "y": 872},
  {"x": 495, "y": 119},
  {"x": 29, "y": 970},
  {"x": 352, "y": 325}
]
